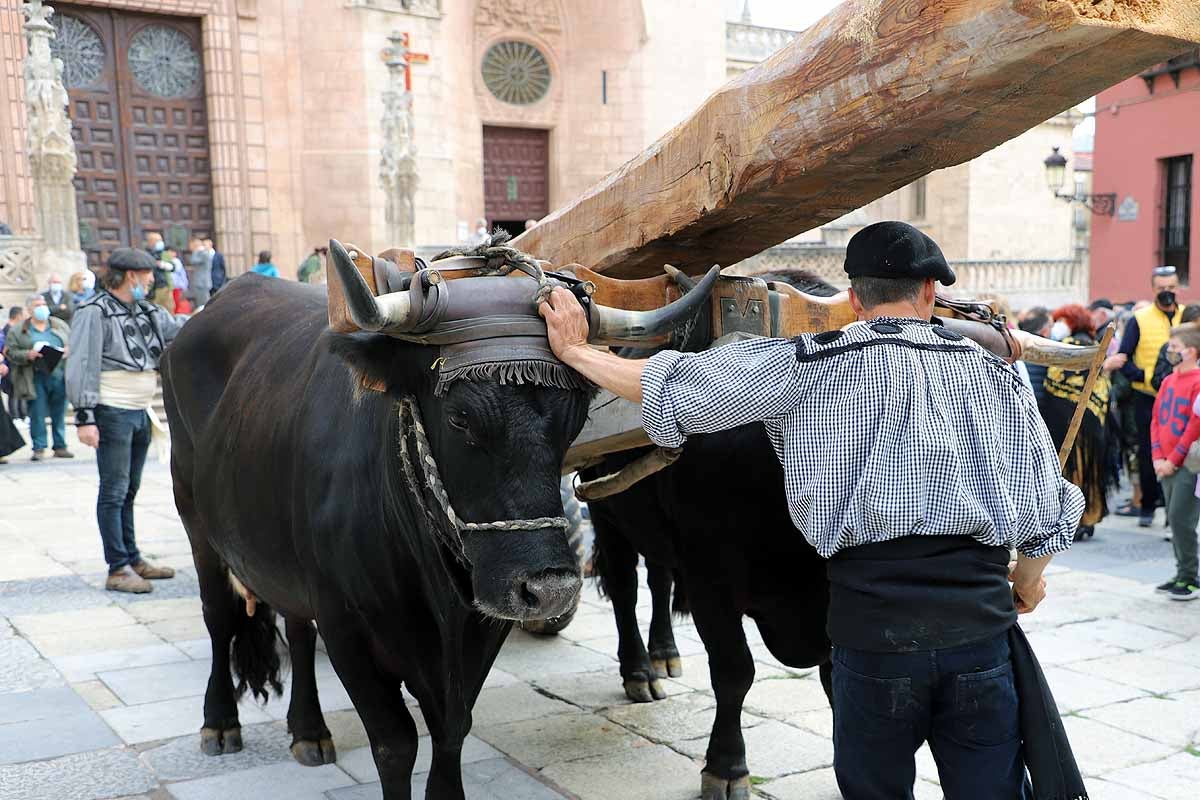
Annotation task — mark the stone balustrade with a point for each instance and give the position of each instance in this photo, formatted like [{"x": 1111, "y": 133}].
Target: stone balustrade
[
  {"x": 753, "y": 43},
  {"x": 18, "y": 268},
  {"x": 1045, "y": 282}
]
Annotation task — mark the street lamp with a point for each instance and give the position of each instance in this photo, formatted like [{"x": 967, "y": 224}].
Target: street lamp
[{"x": 1056, "y": 175}]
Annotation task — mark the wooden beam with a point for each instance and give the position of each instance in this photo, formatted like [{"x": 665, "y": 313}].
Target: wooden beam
[{"x": 875, "y": 95}]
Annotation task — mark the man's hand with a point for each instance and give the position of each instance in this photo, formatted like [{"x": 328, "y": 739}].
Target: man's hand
[
  {"x": 3, "y": 369},
  {"x": 1028, "y": 595},
  {"x": 1115, "y": 362},
  {"x": 33, "y": 355},
  {"x": 566, "y": 324},
  {"x": 88, "y": 435}
]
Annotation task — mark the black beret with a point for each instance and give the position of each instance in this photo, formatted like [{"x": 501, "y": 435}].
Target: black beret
[
  {"x": 1103, "y": 302},
  {"x": 896, "y": 250},
  {"x": 126, "y": 258}
]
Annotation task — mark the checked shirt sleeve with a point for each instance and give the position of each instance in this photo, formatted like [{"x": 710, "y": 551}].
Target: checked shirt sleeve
[
  {"x": 719, "y": 389},
  {"x": 1056, "y": 505}
]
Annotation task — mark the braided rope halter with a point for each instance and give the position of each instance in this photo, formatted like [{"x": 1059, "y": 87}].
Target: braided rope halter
[{"x": 421, "y": 470}]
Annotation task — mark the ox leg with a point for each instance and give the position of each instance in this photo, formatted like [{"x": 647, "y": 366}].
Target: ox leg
[
  {"x": 617, "y": 565},
  {"x": 380, "y": 705},
  {"x": 731, "y": 668},
  {"x": 664, "y": 655},
  {"x": 312, "y": 744},
  {"x": 222, "y": 732},
  {"x": 445, "y": 771}
]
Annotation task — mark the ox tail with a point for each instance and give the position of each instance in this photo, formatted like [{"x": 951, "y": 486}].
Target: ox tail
[
  {"x": 679, "y": 600},
  {"x": 256, "y": 652}
]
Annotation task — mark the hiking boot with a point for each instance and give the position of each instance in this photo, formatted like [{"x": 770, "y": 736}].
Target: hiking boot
[
  {"x": 1145, "y": 521},
  {"x": 1165, "y": 588},
  {"x": 126, "y": 580},
  {"x": 151, "y": 572},
  {"x": 1183, "y": 591},
  {"x": 62, "y": 452},
  {"x": 38, "y": 455}
]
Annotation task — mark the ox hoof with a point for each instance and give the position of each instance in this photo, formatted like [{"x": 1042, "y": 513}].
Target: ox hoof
[
  {"x": 714, "y": 788},
  {"x": 641, "y": 690},
  {"x": 671, "y": 667},
  {"x": 216, "y": 742},
  {"x": 314, "y": 754}
]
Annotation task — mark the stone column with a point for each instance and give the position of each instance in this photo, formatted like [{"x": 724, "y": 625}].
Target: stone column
[
  {"x": 398, "y": 158},
  {"x": 51, "y": 150}
]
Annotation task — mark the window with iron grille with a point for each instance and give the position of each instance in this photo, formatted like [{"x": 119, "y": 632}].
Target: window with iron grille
[{"x": 1177, "y": 214}]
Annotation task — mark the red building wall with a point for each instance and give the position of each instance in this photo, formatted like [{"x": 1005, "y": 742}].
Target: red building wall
[{"x": 1134, "y": 131}]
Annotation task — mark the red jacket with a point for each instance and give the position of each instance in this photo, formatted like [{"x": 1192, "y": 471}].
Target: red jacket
[{"x": 1174, "y": 427}]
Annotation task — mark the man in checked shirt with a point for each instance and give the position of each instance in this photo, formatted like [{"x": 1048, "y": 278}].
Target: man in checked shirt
[{"x": 913, "y": 460}]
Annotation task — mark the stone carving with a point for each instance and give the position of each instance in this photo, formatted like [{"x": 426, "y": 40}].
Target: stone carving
[
  {"x": 416, "y": 8},
  {"x": 398, "y": 159},
  {"x": 18, "y": 260},
  {"x": 516, "y": 72},
  {"x": 536, "y": 16},
  {"x": 50, "y": 146},
  {"x": 164, "y": 62},
  {"x": 81, "y": 50}
]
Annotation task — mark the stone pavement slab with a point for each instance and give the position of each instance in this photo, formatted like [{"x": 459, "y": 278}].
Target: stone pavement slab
[
  {"x": 1145, "y": 670},
  {"x": 774, "y": 749},
  {"x": 167, "y": 719},
  {"x": 47, "y": 595},
  {"x": 97, "y": 618},
  {"x": 538, "y": 743},
  {"x": 1173, "y": 720},
  {"x": 512, "y": 703},
  {"x": 1100, "y": 748},
  {"x": 160, "y": 682},
  {"x": 93, "y": 640},
  {"x": 678, "y": 718},
  {"x": 528, "y": 656},
  {"x": 288, "y": 781},
  {"x": 1172, "y": 778},
  {"x": 649, "y": 772},
  {"x": 86, "y": 666},
  {"x": 22, "y": 669},
  {"x": 1077, "y": 690},
  {"x": 780, "y": 697},
  {"x": 86, "y": 776},
  {"x": 48, "y": 723},
  {"x": 494, "y": 779}
]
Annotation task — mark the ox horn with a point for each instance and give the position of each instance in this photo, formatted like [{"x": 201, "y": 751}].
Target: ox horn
[
  {"x": 619, "y": 327},
  {"x": 389, "y": 313},
  {"x": 1047, "y": 352}
]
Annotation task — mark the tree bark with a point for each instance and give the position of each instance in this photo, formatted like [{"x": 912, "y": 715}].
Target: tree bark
[{"x": 872, "y": 97}]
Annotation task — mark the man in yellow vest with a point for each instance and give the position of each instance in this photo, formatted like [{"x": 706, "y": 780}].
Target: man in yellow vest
[{"x": 1144, "y": 336}]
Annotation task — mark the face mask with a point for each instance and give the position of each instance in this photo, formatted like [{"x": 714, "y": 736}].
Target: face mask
[
  {"x": 1174, "y": 356},
  {"x": 89, "y": 281},
  {"x": 139, "y": 291},
  {"x": 41, "y": 313},
  {"x": 1165, "y": 298},
  {"x": 159, "y": 247},
  {"x": 1060, "y": 331},
  {"x": 56, "y": 288}
]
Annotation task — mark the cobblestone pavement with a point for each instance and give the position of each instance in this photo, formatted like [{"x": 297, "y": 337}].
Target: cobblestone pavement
[{"x": 100, "y": 694}]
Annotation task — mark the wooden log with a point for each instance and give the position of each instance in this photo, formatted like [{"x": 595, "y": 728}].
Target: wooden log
[{"x": 872, "y": 97}]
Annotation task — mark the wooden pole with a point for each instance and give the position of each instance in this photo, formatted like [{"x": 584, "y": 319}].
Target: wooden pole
[
  {"x": 1080, "y": 407},
  {"x": 872, "y": 97}
]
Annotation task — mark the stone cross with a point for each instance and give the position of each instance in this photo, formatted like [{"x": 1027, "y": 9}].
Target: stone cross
[
  {"x": 398, "y": 159},
  {"x": 51, "y": 148}
]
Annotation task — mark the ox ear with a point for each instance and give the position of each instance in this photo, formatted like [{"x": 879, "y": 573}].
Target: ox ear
[{"x": 372, "y": 358}]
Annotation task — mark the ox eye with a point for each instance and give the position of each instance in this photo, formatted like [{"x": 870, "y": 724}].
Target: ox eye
[{"x": 458, "y": 421}]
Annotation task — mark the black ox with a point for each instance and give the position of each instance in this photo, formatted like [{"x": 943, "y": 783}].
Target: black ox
[
  {"x": 290, "y": 480},
  {"x": 717, "y": 519}
]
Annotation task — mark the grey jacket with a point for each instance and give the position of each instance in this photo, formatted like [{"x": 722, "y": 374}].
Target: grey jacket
[
  {"x": 109, "y": 335},
  {"x": 201, "y": 263}
]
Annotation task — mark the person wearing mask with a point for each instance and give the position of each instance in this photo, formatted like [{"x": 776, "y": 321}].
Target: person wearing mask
[
  {"x": 179, "y": 283},
  {"x": 118, "y": 339},
  {"x": 217, "y": 259},
  {"x": 879, "y": 429},
  {"x": 1174, "y": 428},
  {"x": 44, "y": 387},
  {"x": 60, "y": 301},
  {"x": 1103, "y": 314},
  {"x": 264, "y": 265},
  {"x": 163, "y": 292},
  {"x": 1163, "y": 366},
  {"x": 17, "y": 408},
  {"x": 200, "y": 260},
  {"x": 1145, "y": 334},
  {"x": 1087, "y": 467},
  {"x": 82, "y": 285}
]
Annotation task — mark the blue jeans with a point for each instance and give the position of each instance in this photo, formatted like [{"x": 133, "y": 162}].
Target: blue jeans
[
  {"x": 51, "y": 401},
  {"x": 124, "y": 440},
  {"x": 961, "y": 700}
]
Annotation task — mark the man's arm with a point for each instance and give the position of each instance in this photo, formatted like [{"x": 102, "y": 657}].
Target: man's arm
[
  {"x": 682, "y": 394},
  {"x": 1129, "y": 343}
]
